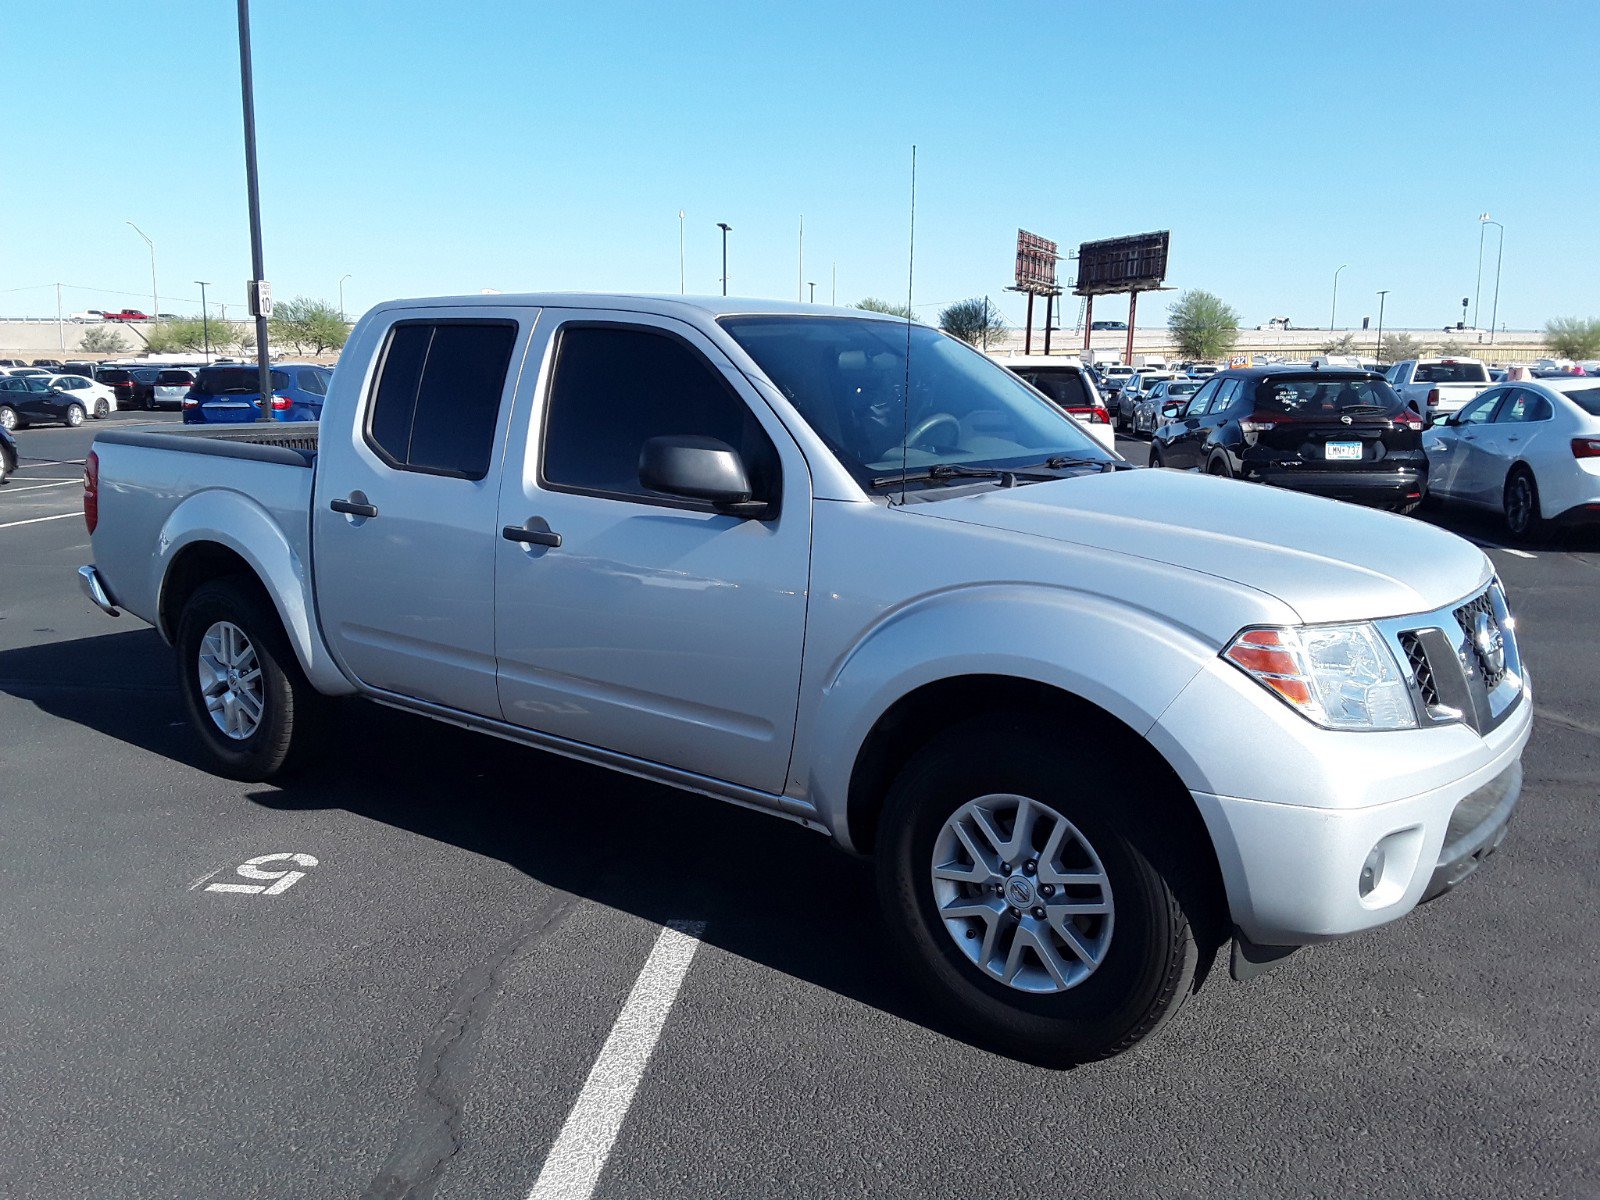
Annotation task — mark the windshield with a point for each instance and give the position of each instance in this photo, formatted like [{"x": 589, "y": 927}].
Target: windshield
[
  {"x": 1451, "y": 372},
  {"x": 1315, "y": 395},
  {"x": 847, "y": 378}
]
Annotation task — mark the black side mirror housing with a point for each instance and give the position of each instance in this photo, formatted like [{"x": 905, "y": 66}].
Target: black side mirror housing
[{"x": 700, "y": 468}]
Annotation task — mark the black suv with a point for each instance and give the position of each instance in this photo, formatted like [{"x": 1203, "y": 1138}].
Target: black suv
[
  {"x": 1338, "y": 433},
  {"x": 134, "y": 386}
]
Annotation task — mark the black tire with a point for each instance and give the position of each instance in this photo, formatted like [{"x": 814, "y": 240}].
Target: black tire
[
  {"x": 1155, "y": 457},
  {"x": 1521, "y": 507},
  {"x": 1150, "y": 963},
  {"x": 8, "y": 464},
  {"x": 75, "y": 415},
  {"x": 101, "y": 410},
  {"x": 1220, "y": 468},
  {"x": 291, "y": 708}
]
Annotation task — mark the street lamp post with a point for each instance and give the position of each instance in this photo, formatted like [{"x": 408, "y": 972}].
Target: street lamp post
[
  {"x": 1334, "y": 313},
  {"x": 1381, "y": 296},
  {"x": 1477, "y": 289},
  {"x": 1499, "y": 256},
  {"x": 342, "y": 278},
  {"x": 813, "y": 288},
  {"x": 247, "y": 91},
  {"x": 725, "y": 227},
  {"x": 155, "y": 300},
  {"x": 205, "y": 317}
]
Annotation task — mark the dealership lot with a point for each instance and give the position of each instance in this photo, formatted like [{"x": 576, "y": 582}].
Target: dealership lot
[{"x": 443, "y": 1000}]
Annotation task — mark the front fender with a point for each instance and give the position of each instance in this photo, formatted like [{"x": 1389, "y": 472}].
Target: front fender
[
  {"x": 1126, "y": 660},
  {"x": 242, "y": 525}
]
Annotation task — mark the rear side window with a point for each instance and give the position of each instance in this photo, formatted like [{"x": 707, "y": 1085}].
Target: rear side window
[
  {"x": 437, "y": 398},
  {"x": 314, "y": 381},
  {"x": 1523, "y": 407},
  {"x": 1588, "y": 400},
  {"x": 1314, "y": 395},
  {"x": 616, "y": 388}
]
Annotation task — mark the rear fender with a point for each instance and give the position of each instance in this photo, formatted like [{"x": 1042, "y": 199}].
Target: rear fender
[{"x": 240, "y": 524}]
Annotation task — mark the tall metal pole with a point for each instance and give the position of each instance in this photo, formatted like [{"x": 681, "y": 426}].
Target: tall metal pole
[
  {"x": 800, "y": 275},
  {"x": 342, "y": 278},
  {"x": 813, "y": 288},
  {"x": 724, "y": 226},
  {"x": 1499, "y": 255},
  {"x": 258, "y": 268},
  {"x": 61, "y": 330},
  {"x": 1378, "y": 354},
  {"x": 1133, "y": 309},
  {"x": 681, "y": 277},
  {"x": 205, "y": 317},
  {"x": 155, "y": 300},
  {"x": 834, "y": 298},
  {"x": 1477, "y": 289},
  {"x": 1334, "y": 313}
]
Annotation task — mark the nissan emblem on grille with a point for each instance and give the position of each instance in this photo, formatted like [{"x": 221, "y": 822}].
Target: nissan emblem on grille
[{"x": 1490, "y": 643}]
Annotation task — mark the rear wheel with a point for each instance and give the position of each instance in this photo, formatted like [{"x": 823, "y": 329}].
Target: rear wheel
[
  {"x": 1037, "y": 899},
  {"x": 1521, "y": 506},
  {"x": 1219, "y": 467},
  {"x": 8, "y": 418},
  {"x": 101, "y": 411},
  {"x": 245, "y": 694}
]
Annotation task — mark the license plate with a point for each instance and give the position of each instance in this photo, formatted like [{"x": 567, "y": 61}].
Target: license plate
[{"x": 1339, "y": 451}]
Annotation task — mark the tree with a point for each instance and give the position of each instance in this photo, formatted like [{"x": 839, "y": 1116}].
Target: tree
[
  {"x": 309, "y": 326},
  {"x": 1340, "y": 345},
  {"x": 102, "y": 339},
  {"x": 1202, "y": 326},
  {"x": 974, "y": 321},
  {"x": 871, "y": 304},
  {"x": 169, "y": 337},
  {"x": 1450, "y": 348},
  {"x": 1573, "y": 337},
  {"x": 1397, "y": 347}
]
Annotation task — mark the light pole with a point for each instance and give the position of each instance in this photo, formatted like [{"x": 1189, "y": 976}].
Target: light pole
[
  {"x": 813, "y": 288},
  {"x": 1332, "y": 315},
  {"x": 681, "y": 288},
  {"x": 1477, "y": 289},
  {"x": 247, "y": 90},
  {"x": 342, "y": 278},
  {"x": 725, "y": 227},
  {"x": 205, "y": 317},
  {"x": 1499, "y": 256},
  {"x": 155, "y": 300},
  {"x": 1381, "y": 295}
]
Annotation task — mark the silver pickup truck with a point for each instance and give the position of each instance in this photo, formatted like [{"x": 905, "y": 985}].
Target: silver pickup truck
[{"x": 1092, "y": 722}]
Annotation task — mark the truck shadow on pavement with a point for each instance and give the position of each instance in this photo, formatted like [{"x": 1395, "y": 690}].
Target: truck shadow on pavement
[{"x": 768, "y": 890}]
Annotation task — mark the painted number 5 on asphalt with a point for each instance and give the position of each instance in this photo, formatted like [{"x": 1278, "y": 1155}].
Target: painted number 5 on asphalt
[{"x": 277, "y": 882}]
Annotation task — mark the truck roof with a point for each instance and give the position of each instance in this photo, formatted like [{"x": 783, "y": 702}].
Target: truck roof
[{"x": 661, "y": 305}]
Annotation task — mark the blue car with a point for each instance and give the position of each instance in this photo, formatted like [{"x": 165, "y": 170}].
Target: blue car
[{"x": 224, "y": 395}]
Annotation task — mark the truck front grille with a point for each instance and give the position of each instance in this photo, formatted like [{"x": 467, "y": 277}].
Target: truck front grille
[
  {"x": 1466, "y": 617},
  {"x": 1421, "y": 670}
]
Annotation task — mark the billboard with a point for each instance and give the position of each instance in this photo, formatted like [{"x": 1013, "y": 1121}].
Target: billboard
[
  {"x": 1124, "y": 264},
  {"x": 1036, "y": 264}
]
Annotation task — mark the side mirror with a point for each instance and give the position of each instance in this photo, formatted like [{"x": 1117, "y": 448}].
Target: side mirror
[
  {"x": 699, "y": 468},
  {"x": 1172, "y": 411}
]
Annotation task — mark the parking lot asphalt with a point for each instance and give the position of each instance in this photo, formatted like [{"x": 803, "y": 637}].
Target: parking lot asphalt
[{"x": 438, "y": 1004}]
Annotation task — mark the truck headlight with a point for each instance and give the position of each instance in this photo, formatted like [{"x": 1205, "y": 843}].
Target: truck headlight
[{"x": 1338, "y": 676}]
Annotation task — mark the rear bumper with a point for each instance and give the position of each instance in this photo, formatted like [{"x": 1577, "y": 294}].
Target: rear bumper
[
  {"x": 1390, "y": 487},
  {"x": 95, "y": 588}
]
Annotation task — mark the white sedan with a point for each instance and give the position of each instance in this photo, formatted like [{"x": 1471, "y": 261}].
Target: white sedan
[
  {"x": 98, "y": 400},
  {"x": 1528, "y": 450}
]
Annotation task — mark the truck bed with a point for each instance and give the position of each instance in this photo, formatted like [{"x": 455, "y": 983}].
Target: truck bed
[{"x": 293, "y": 445}]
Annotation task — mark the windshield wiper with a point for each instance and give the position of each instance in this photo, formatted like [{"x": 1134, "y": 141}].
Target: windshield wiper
[
  {"x": 942, "y": 471},
  {"x": 1062, "y": 461}
]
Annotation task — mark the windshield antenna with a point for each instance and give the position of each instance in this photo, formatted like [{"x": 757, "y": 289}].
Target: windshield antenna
[{"x": 905, "y": 396}]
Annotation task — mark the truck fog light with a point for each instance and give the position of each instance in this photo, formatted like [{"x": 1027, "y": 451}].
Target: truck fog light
[{"x": 1371, "y": 871}]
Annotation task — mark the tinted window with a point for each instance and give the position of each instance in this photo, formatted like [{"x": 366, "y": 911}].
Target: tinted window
[
  {"x": 1450, "y": 372},
  {"x": 1201, "y": 398},
  {"x": 222, "y": 381},
  {"x": 1315, "y": 394},
  {"x": 1224, "y": 397},
  {"x": 1480, "y": 410},
  {"x": 438, "y": 396},
  {"x": 616, "y": 388},
  {"x": 1588, "y": 400},
  {"x": 174, "y": 378},
  {"x": 1523, "y": 407},
  {"x": 314, "y": 381},
  {"x": 1066, "y": 388}
]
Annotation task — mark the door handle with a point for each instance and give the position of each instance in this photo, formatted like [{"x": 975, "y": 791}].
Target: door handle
[
  {"x": 536, "y": 537},
  {"x": 354, "y": 508}
]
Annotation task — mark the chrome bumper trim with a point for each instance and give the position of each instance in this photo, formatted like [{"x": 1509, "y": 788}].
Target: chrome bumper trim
[{"x": 94, "y": 587}]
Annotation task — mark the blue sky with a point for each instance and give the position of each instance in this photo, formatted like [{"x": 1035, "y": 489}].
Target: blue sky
[{"x": 430, "y": 148}]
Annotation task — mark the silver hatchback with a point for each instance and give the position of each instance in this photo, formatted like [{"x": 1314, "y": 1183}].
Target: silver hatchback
[{"x": 171, "y": 386}]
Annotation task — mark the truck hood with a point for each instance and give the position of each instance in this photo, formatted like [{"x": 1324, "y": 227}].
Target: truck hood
[{"x": 1327, "y": 560}]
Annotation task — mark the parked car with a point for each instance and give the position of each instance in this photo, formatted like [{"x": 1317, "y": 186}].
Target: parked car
[
  {"x": 1337, "y": 433},
  {"x": 134, "y": 387},
  {"x": 79, "y": 366},
  {"x": 1133, "y": 393},
  {"x": 9, "y": 455},
  {"x": 1529, "y": 451},
  {"x": 10, "y": 362},
  {"x": 98, "y": 399},
  {"x": 1112, "y": 379},
  {"x": 1107, "y": 325},
  {"x": 1089, "y": 721},
  {"x": 1069, "y": 387},
  {"x": 1202, "y": 370},
  {"x": 1436, "y": 387},
  {"x": 1153, "y": 409},
  {"x": 32, "y": 400},
  {"x": 27, "y": 372},
  {"x": 171, "y": 385},
  {"x": 49, "y": 364},
  {"x": 229, "y": 395}
]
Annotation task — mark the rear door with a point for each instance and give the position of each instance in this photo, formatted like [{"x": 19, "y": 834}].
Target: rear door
[
  {"x": 1500, "y": 442},
  {"x": 405, "y": 509}
]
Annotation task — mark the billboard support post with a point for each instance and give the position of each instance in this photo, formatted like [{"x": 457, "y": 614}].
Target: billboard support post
[
  {"x": 1133, "y": 309},
  {"x": 1088, "y": 321},
  {"x": 1027, "y": 337},
  {"x": 1049, "y": 316}
]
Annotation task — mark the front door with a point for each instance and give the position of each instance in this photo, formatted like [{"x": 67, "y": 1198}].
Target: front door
[
  {"x": 1183, "y": 451},
  {"x": 1472, "y": 448},
  {"x": 647, "y": 624},
  {"x": 405, "y": 510}
]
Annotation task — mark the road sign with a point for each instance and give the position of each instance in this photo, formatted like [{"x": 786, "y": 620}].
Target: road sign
[{"x": 260, "y": 292}]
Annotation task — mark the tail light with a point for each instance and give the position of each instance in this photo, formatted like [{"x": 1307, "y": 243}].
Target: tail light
[
  {"x": 1586, "y": 447},
  {"x": 1099, "y": 413},
  {"x": 1408, "y": 420},
  {"x": 1258, "y": 422},
  {"x": 91, "y": 491},
  {"x": 1433, "y": 397},
  {"x": 281, "y": 403}
]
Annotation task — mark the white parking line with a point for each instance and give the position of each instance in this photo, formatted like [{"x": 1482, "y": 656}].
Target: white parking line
[
  {"x": 17, "y": 491},
  {"x": 36, "y": 520},
  {"x": 1518, "y": 553},
  {"x": 579, "y": 1156}
]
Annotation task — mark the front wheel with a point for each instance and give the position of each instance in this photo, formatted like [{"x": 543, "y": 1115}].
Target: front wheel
[
  {"x": 74, "y": 416},
  {"x": 1155, "y": 457},
  {"x": 8, "y": 417},
  {"x": 1034, "y": 895},
  {"x": 245, "y": 694}
]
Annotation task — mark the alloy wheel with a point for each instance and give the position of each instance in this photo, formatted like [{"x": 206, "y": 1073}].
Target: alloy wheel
[
  {"x": 230, "y": 680},
  {"x": 1022, "y": 893},
  {"x": 1519, "y": 505}
]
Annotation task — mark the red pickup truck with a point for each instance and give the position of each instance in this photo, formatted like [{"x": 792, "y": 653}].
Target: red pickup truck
[{"x": 127, "y": 314}]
